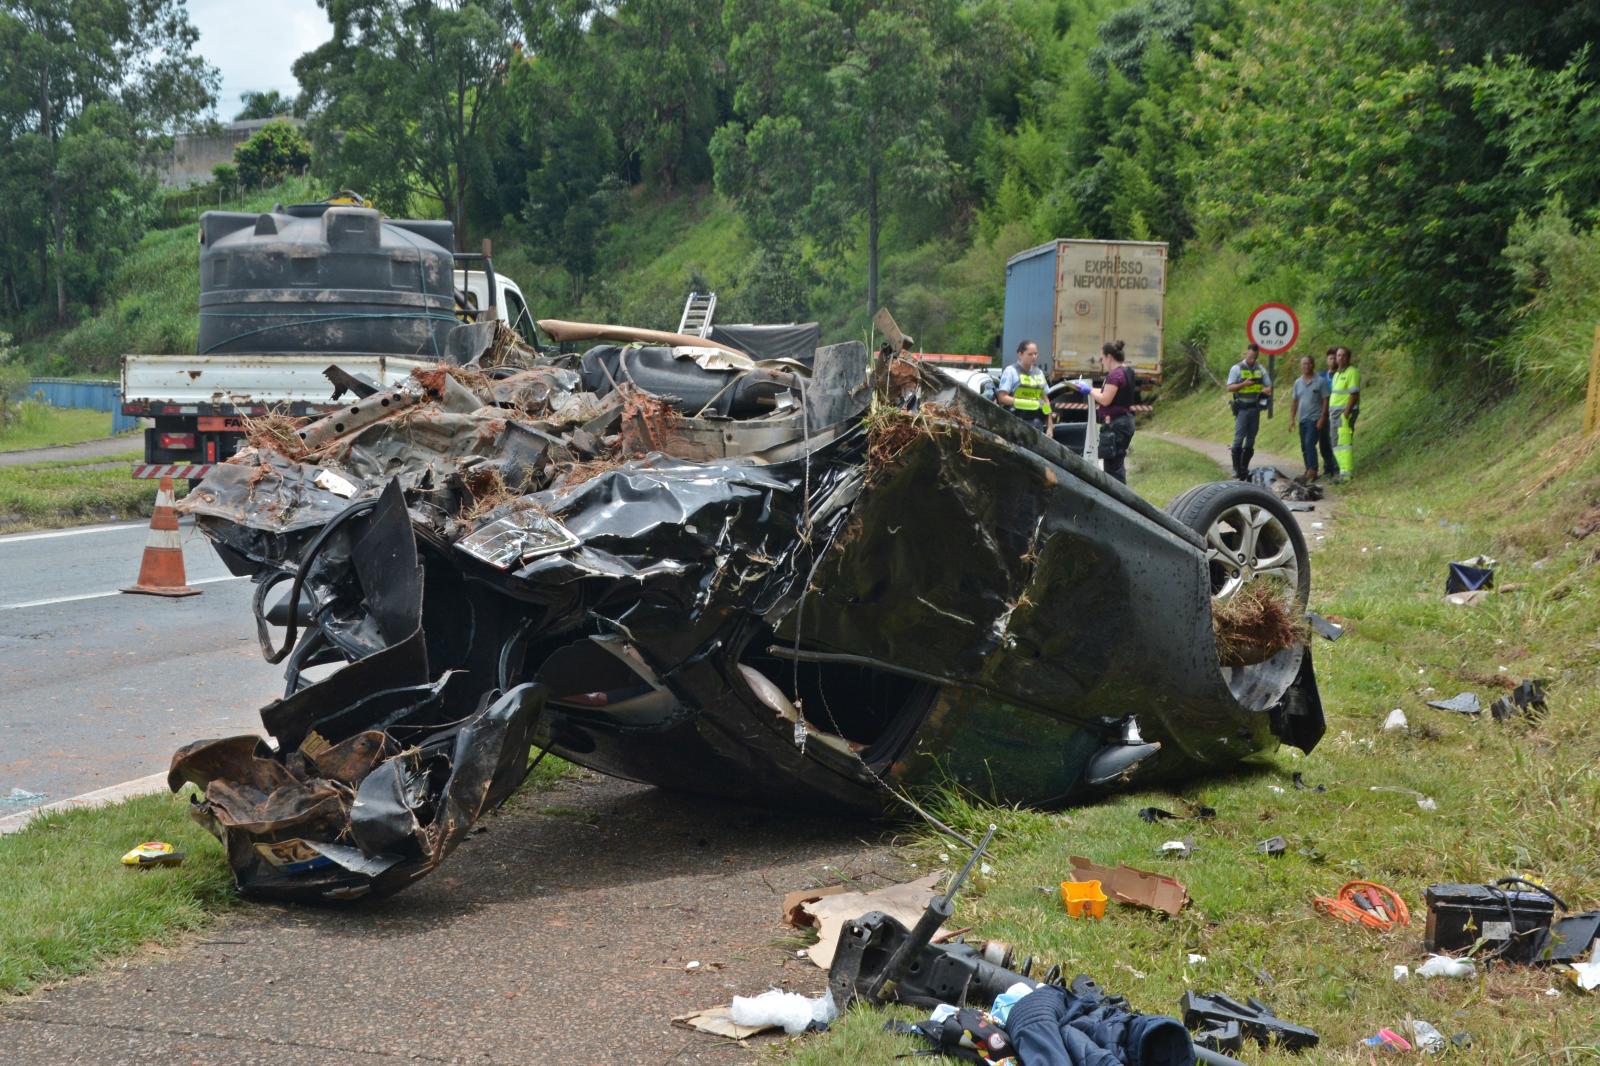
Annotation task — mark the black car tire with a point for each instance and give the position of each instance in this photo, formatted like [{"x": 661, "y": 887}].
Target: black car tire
[{"x": 1211, "y": 509}]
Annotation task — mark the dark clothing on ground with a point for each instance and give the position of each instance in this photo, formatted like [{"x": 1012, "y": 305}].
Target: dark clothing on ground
[
  {"x": 1309, "y": 436},
  {"x": 1053, "y": 1027},
  {"x": 1116, "y": 440},
  {"x": 1246, "y": 424}
]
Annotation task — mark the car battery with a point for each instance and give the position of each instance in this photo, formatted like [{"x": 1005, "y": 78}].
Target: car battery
[{"x": 1512, "y": 924}]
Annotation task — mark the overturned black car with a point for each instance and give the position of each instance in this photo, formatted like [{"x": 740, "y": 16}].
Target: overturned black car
[{"x": 815, "y": 583}]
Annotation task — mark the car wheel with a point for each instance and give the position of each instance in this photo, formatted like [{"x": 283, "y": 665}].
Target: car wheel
[{"x": 1249, "y": 534}]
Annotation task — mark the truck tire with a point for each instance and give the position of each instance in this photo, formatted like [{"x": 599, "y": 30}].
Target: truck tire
[{"x": 1249, "y": 534}]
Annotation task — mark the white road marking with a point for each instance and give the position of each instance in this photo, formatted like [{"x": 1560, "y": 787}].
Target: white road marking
[
  {"x": 18, "y": 538},
  {"x": 100, "y": 595},
  {"x": 100, "y": 797}
]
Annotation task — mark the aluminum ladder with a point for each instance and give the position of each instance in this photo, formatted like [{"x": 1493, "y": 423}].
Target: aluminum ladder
[{"x": 697, "y": 312}]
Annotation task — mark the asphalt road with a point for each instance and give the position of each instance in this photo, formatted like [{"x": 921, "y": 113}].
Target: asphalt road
[{"x": 96, "y": 687}]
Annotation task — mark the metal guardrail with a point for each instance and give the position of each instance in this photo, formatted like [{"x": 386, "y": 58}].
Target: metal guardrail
[{"x": 84, "y": 395}]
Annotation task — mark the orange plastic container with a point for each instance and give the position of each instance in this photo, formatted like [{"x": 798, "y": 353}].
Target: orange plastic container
[{"x": 1083, "y": 899}]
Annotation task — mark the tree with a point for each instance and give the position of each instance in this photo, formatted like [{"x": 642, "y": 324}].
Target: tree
[
  {"x": 1544, "y": 32},
  {"x": 655, "y": 69},
  {"x": 1379, "y": 175},
  {"x": 87, "y": 89},
  {"x": 846, "y": 109},
  {"x": 268, "y": 104},
  {"x": 402, "y": 96},
  {"x": 271, "y": 153}
]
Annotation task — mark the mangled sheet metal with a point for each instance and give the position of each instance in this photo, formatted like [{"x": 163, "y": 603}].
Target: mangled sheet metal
[{"x": 746, "y": 578}]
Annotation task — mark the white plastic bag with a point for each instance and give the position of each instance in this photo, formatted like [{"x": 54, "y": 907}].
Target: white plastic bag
[
  {"x": 1445, "y": 966},
  {"x": 790, "y": 1010}
]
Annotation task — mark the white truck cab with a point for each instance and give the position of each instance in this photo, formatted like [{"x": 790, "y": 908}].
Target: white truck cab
[{"x": 510, "y": 306}]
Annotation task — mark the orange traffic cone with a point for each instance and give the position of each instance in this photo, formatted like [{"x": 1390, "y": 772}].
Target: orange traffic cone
[{"x": 161, "y": 571}]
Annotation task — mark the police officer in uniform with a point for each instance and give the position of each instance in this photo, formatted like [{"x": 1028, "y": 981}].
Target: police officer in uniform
[
  {"x": 1023, "y": 388},
  {"x": 1113, "y": 409},
  {"x": 1249, "y": 385}
]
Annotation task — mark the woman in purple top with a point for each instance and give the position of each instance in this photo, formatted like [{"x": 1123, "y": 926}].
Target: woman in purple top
[{"x": 1114, "y": 402}]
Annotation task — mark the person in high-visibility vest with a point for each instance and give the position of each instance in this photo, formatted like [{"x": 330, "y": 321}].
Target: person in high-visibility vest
[
  {"x": 1344, "y": 404},
  {"x": 1024, "y": 388},
  {"x": 1249, "y": 385}
]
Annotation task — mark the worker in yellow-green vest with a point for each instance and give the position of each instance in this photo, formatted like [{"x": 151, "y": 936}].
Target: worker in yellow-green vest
[
  {"x": 1249, "y": 385},
  {"x": 1024, "y": 389},
  {"x": 1344, "y": 404}
]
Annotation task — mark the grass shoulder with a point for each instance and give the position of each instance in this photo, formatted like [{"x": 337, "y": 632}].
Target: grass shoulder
[
  {"x": 72, "y": 492},
  {"x": 1519, "y": 798},
  {"x": 37, "y": 425},
  {"x": 70, "y": 905}
]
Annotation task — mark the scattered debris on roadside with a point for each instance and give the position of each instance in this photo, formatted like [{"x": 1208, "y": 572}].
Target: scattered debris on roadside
[
  {"x": 1470, "y": 575},
  {"x": 789, "y": 1011},
  {"x": 1471, "y": 581},
  {"x": 1365, "y": 903},
  {"x": 1445, "y": 966},
  {"x": 1325, "y": 628},
  {"x": 1527, "y": 700},
  {"x": 1083, "y": 899},
  {"x": 827, "y": 911},
  {"x": 154, "y": 853},
  {"x": 1464, "y": 703},
  {"x": 1221, "y": 1023},
  {"x": 1133, "y": 887}
]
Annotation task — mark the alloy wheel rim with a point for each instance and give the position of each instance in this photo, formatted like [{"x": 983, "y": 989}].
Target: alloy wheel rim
[{"x": 1244, "y": 543}]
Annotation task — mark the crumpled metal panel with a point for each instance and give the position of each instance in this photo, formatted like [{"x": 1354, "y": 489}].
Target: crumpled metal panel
[{"x": 814, "y": 605}]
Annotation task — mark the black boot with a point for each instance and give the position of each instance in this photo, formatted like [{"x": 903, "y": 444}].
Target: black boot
[
  {"x": 1238, "y": 471},
  {"x": 1244, "y": 467}
]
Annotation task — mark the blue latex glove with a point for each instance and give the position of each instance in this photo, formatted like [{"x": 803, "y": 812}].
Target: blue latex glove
[{"x": 1083, "y": 387}]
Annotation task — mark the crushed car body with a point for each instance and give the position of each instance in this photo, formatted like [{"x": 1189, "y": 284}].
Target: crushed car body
[{"x": 815, "y": 583}]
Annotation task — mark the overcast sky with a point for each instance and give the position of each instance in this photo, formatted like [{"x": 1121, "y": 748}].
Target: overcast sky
[{"x": 255, "y": 44}]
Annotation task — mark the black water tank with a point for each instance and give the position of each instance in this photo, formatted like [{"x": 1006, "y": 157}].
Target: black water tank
[{"x": 324, "y": 278}]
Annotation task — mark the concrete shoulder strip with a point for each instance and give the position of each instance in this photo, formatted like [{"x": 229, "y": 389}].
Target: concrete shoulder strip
[{"x": 100, "y": 797}]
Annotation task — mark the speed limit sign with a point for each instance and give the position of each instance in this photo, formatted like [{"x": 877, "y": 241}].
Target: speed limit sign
[{"x": 1274, "y": 328}]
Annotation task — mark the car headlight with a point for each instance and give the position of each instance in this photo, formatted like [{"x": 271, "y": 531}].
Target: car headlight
[{"x": 517, "y": 537}]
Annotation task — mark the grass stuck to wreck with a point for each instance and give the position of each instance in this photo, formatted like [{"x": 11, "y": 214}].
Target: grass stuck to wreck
[{"x": 1514, "y": 798}]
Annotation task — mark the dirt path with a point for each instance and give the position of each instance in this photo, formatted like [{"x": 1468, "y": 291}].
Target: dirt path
[
  {"x": 1316, "y": 524},
  {"x": 560, "y": 934},
  {"x": 89, "y": 449}
]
